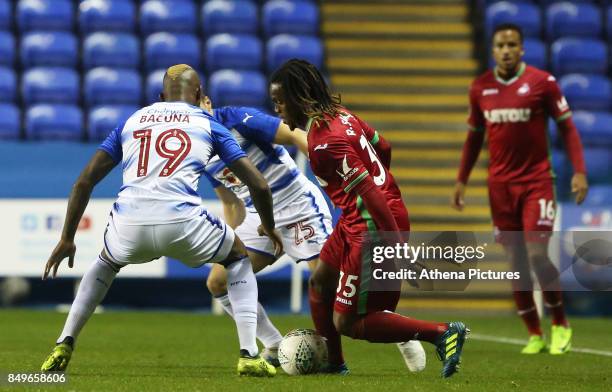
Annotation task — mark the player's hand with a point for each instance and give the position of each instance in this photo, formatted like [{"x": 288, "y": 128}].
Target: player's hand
[
  {"x": 274, "y": 236},
  {"x": 62, "y": 250},
  {"x": 580, "y": 187},
  {"x": 457, "y": 198}
]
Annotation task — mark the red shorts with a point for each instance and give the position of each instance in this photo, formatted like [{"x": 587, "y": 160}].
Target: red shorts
[
  {"x": 527, "y": 207},
  {"x": 343, "y": 250}
]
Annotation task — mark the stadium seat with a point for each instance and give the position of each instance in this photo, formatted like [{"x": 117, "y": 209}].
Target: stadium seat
[
  {"x": 154, "y": 86},
  {"x": 10, "y": 122},
  {"x": 50, "y": 85},
  {"x": 595, "y": 128},
  {"x": 236, "y": 51},
  {"x": 5, "y": 15},
  {"x": 587, "y": 92},
  {"x": 107, "y": 15},
  {"x": 54, "y": 122},
  {"x": 7, "y": 48},
  {"x": 237, "y": 88},
  {"x": 177, "y": 16},
  {"x": 118, "y": 50},
  {"x": 566, "y": 19},
  {"x": 525, "y": 15},
  {"x": 599, "y": 196},
  {"x": 229, "y": 16},
  {"x": 579, "y": 55},
  {"x": 45, "y": 15},
  {"x": 103, "y": 119},
  {"x": 283, "y": 47},
  {"x": 165, "y": 49},
  {"x": 598, "y": 164},
  {"x": 8, "y": 84},
  {"x": 290, "y": 17},
  {"x": 59, "y": 49},
  {"x": 107, "y": 86},
  {"x": 535, "y": 53}
]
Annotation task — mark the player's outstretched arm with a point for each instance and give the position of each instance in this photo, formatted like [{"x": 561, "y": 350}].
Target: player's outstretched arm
[
  {"x": 297, "y": 137},
  {"x": 98, "y": 167},
  {"x": 261, "y": 195},
  {"x": 469, "y": 156},
  {"x": 233, "y": 208}
]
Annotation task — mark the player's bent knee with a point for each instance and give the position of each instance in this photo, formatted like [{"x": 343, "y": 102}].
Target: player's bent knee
[
  {"x": 217, "y": 285},
  {"x": 344, "y": 323}
]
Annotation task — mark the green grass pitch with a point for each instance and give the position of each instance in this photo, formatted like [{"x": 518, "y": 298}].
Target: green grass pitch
[{"x": 146, "y": 351}]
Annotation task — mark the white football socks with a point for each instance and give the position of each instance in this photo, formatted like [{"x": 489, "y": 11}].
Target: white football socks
[
  {"x": 266, "y": 331},
  {"x": 91, "y": 292},
  {"x": 242, "y": 293}
]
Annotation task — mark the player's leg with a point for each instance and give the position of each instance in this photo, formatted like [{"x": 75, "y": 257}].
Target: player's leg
[
  {"x": 538, "y": 217},
  {"x": 206, "y": 239},
  {"x": 267, "y": 333}
]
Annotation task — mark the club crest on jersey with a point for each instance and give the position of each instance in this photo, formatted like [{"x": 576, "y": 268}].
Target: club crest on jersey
[
  {"x": 507, "y": 115},
  {"x": 347, "y": 172},
  {"x": 229, "y": 177},
  {"x": 523, "y": 90}
]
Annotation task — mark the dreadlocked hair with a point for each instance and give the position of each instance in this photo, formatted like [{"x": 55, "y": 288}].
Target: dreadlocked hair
[{"x": 308, "y": 88}]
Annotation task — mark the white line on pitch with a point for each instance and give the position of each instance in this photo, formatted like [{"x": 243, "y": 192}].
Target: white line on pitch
[{"x": 521, "y": 342}]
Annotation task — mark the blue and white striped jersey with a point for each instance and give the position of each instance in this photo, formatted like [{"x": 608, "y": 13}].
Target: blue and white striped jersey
[
  {"x": 255, "y": 132},
  {"x": 164, "y": 149}
]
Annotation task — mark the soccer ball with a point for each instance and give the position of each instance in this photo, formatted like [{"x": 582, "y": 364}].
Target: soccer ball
[{"x": 302, "y": 351}]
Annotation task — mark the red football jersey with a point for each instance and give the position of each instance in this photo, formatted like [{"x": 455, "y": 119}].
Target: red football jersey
[
  {"x": 515, "y": 114},
  {"x": 341, "y": 156}
]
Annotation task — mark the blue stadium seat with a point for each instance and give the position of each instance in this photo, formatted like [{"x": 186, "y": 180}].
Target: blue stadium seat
[
  {"x": 117, "y": 50},
  {"x": 154, "y": 85},
  {"x": 5, "y": 15},
  {"x": 239, "y": 88},
  {"x": 165, "y": 49},
  {"x": 108, "y": 86},
  {"x": 8, "y": 84},
  {"x": 595, "y": 128},
  {"x": 10, "y": 122},
  {"x": 599, "y": 196},
  {"x": 608, "y": 23},
  {"x": 229, "y": 16},
  {"x": 59, "y": 49},
  {"x": 176, "y": 16},
  {"x": 579, "y": 55},
  {"x": 45, "y": 15},
  {"x": 573, "y": 20},
  {"x": 290, "y": 17},
  {"x": 54, "y": 122},
  {"x": 587, "y": 92},
  {"x": 236, "y": 51},
  {"x": 7, "y": 48},
  {"x": 50, "y": 85},
  {"x": 598, "y": 164},
  {"x": 283, "y": 47},
  {"x": 563, "y": 171},
  {"x": 526, "y": 15},
  {"x": 535, "y": 53},
  {"x": 107, "y": 15},
  {"x": 103, "y": 119}
]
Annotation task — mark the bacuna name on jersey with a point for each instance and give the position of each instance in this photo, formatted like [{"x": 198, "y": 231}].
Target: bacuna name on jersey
[
  {"x": 171, "y": 117},
  {"x": 507, "y": 115}
]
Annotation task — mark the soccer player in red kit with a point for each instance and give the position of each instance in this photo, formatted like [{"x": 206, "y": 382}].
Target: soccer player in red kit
[
  {"x": 513, "y": 103},
  {"x": 351, "y": 161}
]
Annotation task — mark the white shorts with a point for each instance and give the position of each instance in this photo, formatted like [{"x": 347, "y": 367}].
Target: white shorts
[
  {"x": 200, "y": 240},
  {"x": 304, "y": 226}
]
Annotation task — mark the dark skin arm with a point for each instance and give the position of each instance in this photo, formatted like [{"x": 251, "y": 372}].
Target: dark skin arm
[
  {"x": 262, "y": 198},
  {"x": 98, "y": 167}
]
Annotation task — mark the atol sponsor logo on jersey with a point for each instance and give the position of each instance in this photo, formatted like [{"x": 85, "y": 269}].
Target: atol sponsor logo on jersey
[{"x": 508, "y": 115}]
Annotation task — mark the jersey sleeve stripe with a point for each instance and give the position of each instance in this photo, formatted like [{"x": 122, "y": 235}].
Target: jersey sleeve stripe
[
  {"x": 356, "y": 181},
  {"x": 563, "y": 117},
  {"x": 375, "y": 138}
]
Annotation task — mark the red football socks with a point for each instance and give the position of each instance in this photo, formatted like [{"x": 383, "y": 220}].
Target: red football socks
[
  {"x": 554, "y": 302},
  {"x": 526, "y": 308},
  {"x": 388, "y": 327},
  {"x": 322, "y": 317}
]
